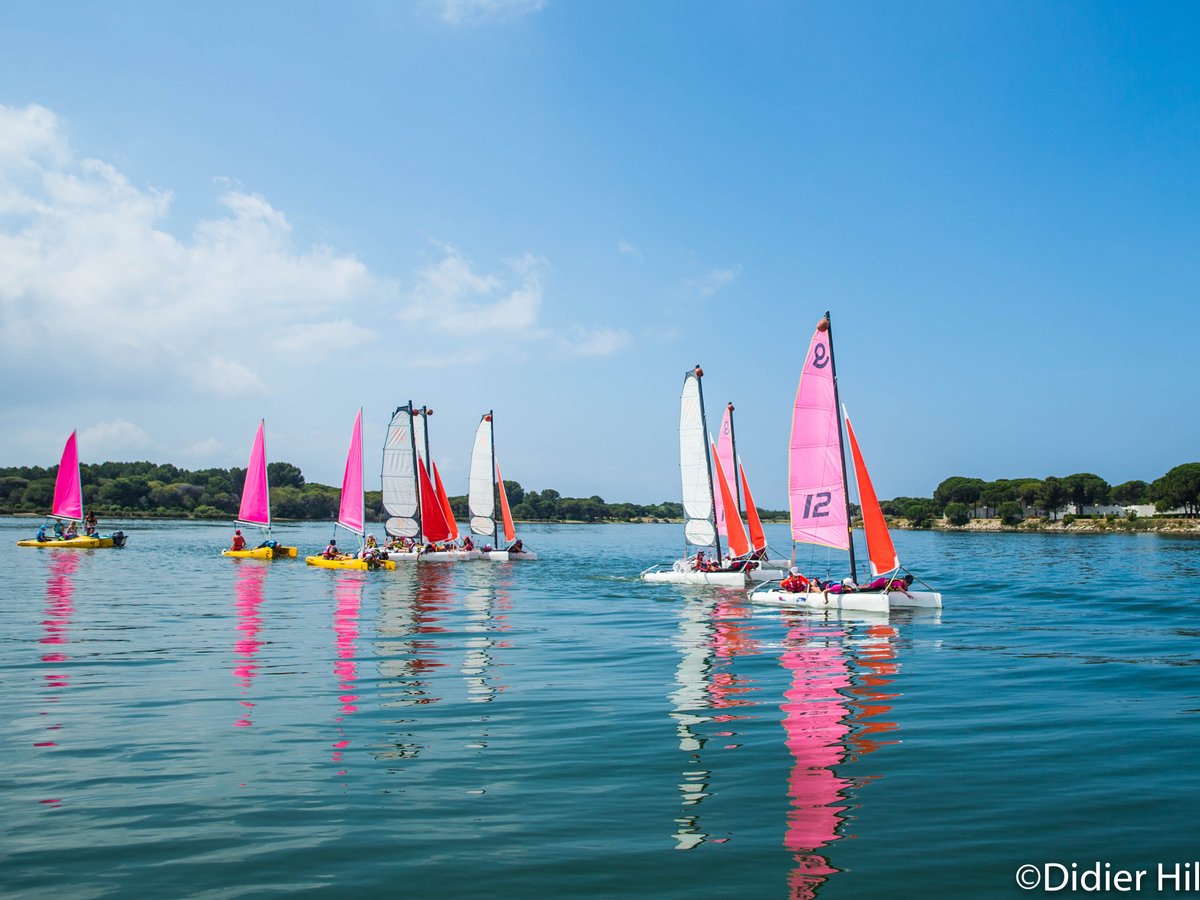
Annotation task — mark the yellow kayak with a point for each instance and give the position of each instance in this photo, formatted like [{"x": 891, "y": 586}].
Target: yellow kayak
[
  {"x": 262, "y": 553},
  {"x": 83, "y": 542},
  {"x": 347, "y": 563}
]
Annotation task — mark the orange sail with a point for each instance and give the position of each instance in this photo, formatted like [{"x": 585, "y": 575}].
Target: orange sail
[
  {"x": 879, "y": 542},
  {"x": 738, "y": 545},
  {"x": 445, "y": 501},
  {"x": 433, "y": 517},
  {"x": 757, "y": 538},
  {"x": 509, "y": 532}
]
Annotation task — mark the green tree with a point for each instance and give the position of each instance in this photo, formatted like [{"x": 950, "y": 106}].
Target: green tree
[
  {"x": 1131, "y": 492},
  {"x": 957, "y": 489},
  {"x": 1052, "y": 496},
  {"x": 1029, "y": 490},
  {"x": 1180, "y": 487},
  {"x": 1010, "y": 512},
  {"x": 957, "y": 513},
  {"x": 1085, "y": 489},
  {"x": 284, "y": 474},
  {"x": 38, "y": 495}
]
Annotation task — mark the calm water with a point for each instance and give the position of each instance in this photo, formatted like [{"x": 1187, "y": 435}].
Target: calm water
[{"x": 184, "y": 724}]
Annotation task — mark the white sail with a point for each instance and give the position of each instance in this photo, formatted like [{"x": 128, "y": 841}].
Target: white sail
[
  {"x": 421, "y": 438},
  {"x": 400, "y": 500},
  {"x": 698, "y": 526},
  {"x": 481, "y": 496}
]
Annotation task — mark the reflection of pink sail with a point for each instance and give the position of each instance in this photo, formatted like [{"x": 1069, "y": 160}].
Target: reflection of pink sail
[
  {"x": 249, "y": 597},
  {"x": 724, "y": 454},
  {"x": 345, "y": 628},
  {"x": 816, "y": 486},
  {"x": 256, "y": 504},
  {"x": 68, "y": 488},
  {"x": 350, "y": 513},
  {"x": 818, "y": 719}
]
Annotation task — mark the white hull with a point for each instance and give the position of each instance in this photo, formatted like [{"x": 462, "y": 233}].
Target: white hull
[
  {"x": 675, "y": 576},
  {"x": 461, "y": 556},
  {"x": 505, "y": 556},
  {"x": 870, "y": 601}
]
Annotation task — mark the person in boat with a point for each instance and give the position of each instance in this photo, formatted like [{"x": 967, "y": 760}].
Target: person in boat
[
  {"x": 795, "y": 582},
  {"x": 41, "y": 535},
  {"x": 468, "y": 544},
  {"x": 517, "y": 547},
  {"x": 58, "y": 531},
  {"x": 72, "y": 531},
  {"x": 238, "y": 542},
  {"x": 845, "y": 586},
  {"x": 89, "y": 524},
  {"x": 332, "y": 551}
]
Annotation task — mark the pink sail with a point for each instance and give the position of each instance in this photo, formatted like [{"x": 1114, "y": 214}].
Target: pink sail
[
  {"x": 725, "y": 455},
  {"x": 256, "y": 504},
  {"x": 68, "y": 488},
  {"x": 350, "y": 514},
  {"x": 816, "y": 488}
]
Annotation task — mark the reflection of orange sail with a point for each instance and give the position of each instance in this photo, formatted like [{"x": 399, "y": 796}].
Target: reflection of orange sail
[
  {"x": 348, "y": 594},
  {"x": 249, "y": 597},
  {"x": 820, "y": 728}
]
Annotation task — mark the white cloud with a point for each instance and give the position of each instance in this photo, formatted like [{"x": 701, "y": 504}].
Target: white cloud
[
  {"x": 117, "y": 436},
  {"x": 624, "y": 247},
  {"x": 598, "y": 341},
  {"x": 205, "y": 448},
  {"x": 86, "y": 264},
  {"x": 449, "y": 296},
  {"x": 711, "y": 282},
  {"x": 225, "y": 376},
  {"x": 481, "y": 12}
]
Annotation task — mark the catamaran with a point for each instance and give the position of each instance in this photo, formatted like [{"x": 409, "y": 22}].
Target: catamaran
[
  {"x": 484, "y": 486},
  {"x": 413, "y": 495},
  {"x": 67, "y": 506},
  {"x": 820, "y": 500},
  {"x": 255, "y": 509},
  {"x": 352, "y": 511},
  {"x": 697, "y": 453}
]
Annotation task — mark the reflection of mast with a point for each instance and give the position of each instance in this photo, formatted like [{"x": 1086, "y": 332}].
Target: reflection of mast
[
  {"x": 480, "y": 603},
  {"x": 249, "y": 597},
  {"x": 820, "y": 730},
  {"x": 348, "y": 593}
]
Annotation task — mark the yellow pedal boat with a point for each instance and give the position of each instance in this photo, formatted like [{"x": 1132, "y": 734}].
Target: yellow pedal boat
[
  {"x": 360, "y": 564},
  {"x": 262, "y": 553}
]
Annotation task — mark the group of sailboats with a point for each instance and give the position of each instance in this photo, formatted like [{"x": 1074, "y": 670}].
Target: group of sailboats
[
  {"x": 712, "y": 508},
  {"x": 819, "y": 499}
]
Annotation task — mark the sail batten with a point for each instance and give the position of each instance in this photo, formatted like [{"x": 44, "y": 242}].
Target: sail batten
[
  {"x": 879, "y": 541},
  {"x": 816, "y": 484},
  {"x": 68, "y": 486}
]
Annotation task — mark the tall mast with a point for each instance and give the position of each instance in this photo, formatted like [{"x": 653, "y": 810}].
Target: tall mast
[
  {"x": 842, "y": 454},
  {"x": 699, "y": 373},
  {"x": 426, "y": 412},
  {"x": 495, "y": 486},
  {"x": 412, "y": 440},
  {"x": 737, "y": 482}
]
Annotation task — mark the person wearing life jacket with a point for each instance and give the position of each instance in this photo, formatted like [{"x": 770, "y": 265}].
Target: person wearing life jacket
[
  {"x": 795, "y": 582},
  {"x": 89, "y": 524},
  {"x": 332, "y": 552},
  {"x": 517, "y": 547},
  {"x": 847, "y": 586},
  {"x": 239, "y": 542}
]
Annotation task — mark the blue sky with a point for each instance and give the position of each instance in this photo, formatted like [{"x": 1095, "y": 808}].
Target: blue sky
[{"x": 217, "y": 213}]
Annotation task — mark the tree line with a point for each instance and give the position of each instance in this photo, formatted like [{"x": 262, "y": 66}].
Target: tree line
[
  {"x": 958, "y": 497},
  {"x": 152, "y": 489}
]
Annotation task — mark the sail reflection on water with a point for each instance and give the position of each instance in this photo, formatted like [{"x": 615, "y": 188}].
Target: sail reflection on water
[
  {"x": 348, "y": 597},
  {"x": 829, "y": 716},
  {"x": 710, "y": 635},
  {"x": 248, "y": 599},
  {"x": 486, "y": 603}
]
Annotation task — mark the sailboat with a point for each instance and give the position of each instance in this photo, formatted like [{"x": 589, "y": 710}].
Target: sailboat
[
  {"x": 484, "y": 486},
  {"x": 696, "y": 453},
  {"x": 67, "y": 506},
  {"x": 413, "y": 495},
  {"x": 820, "y": 499},
  {"x": 351, "y": 511},
  {"x": 255, "y": 509},
  {"x": 727, "y": 458}
]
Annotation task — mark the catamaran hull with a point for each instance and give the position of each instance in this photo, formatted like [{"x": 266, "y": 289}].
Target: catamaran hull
[
  {"x": 261, "y": 553},
  {"x": 719, "y": 579},
  {"x": 868, "y": 601},
  {"x": 360, "y": 564},
  {"x": 83, "y": 542}
]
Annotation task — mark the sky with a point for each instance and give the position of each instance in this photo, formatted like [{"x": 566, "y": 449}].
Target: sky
[{"x": 215, "y": 213}]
